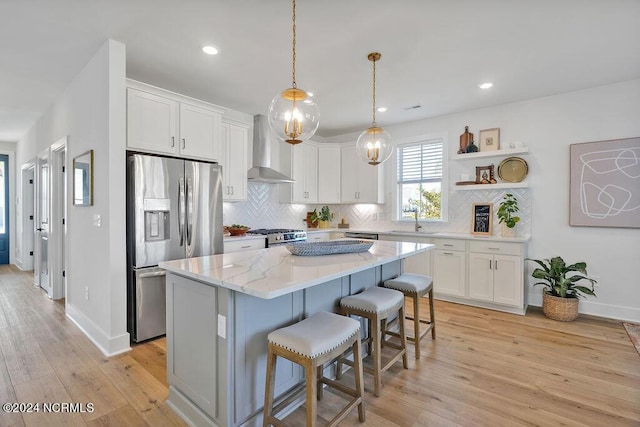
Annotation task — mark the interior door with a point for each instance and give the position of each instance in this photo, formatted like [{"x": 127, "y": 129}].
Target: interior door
[
  {"x": 4, "y": 209},
  {"x": 42, "y": 222}
]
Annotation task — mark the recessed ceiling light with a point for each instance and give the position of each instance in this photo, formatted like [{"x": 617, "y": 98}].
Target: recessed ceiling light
[
  {"x": 310, "y": 94},
  {"x": 382, "y": 109},
  {"x": 210, "y": 50},
  {"x": 486, "y": 85}
]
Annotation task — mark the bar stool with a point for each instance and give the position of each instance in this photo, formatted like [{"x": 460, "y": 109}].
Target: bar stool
[
  {"x": 415, "y": 286},
  {"x": 311, "y": 343},
  {"x": 377, "y": 305}
]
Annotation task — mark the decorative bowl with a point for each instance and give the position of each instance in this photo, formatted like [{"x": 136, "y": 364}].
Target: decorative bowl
[
  {"x": 329, "y": 248},
  {"x": 235, "y": 231}
]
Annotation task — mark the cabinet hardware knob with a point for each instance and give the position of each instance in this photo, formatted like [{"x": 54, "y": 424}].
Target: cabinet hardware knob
[
  {"x": 173, "y": 141},
  {"x": 447, "y": 245},
  {"x": 184, "y": 143},
  {"x": 245, "y": 247},
  {"x": 496, "y": 264},
  {"x": 448, "y": 253},
  {"x": 489, "y": 264},
  {"x": 494, "y": 249}
]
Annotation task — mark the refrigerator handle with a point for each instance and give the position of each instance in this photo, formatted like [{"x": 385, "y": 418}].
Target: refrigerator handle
[
  {"x": 189, "y": 211},
  {"x": 181, "y": 210}
]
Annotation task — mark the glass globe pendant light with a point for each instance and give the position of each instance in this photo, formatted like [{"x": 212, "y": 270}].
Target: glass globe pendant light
[
  {"x": 374, "y": 144},
  {"x": 293, "y": 114}
]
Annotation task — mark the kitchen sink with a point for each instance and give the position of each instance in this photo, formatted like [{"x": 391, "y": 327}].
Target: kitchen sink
[{"x": 411, "y": 232}]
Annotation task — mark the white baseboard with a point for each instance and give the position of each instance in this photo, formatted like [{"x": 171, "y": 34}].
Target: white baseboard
[
  {"x": 109, "y": 346},
  {"x": 595, "y": 308}
]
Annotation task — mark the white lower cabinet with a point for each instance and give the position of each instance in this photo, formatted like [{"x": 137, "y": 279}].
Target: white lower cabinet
[
  {"x": 496, "y": 277},
  {"x": 320, "y": 236},
  {"x": 449, "y": 272},
  {"x": 243, "y": 245}
]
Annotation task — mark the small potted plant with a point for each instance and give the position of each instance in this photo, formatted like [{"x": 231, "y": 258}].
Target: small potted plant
[
  {"x": 507, "y": 211},
  {"x": 561, "y": 292},
  {"x": 323, "y": 217}
]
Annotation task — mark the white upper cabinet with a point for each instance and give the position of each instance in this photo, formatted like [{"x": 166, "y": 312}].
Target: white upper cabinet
[
  {"x": 361, "y": 182},
  {"x": 329, "y": 174},
  {"x": 200, "y": 132},
  {"x": 300, "y": 162},
  {"x": 165, "y": 123},
  {"x": 235, "y": 145},
  {"x": 152, "y": 122}
]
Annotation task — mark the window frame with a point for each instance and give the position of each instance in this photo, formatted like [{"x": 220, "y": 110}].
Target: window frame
[{"x": 444, "y": 184}]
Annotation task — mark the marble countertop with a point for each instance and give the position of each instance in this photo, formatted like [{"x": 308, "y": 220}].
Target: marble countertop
[
  {"x": 272, "y": 272},
  {"x": 427, "y": 234}
]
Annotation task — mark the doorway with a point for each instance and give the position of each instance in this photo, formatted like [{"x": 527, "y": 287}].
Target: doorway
[
  {"x": 28, "y": 217},
  {"x": 41, "y": 273},
  {"x": 4, "y": 209}
]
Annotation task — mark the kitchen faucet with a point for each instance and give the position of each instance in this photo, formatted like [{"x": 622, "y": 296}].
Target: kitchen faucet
[{"x": 417, "y": 226}]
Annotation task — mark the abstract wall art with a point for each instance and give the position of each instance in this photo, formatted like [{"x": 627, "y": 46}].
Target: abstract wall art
[{"x": 605, "y": 183}]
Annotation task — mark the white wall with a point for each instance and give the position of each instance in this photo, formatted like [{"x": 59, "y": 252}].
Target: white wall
[{"x": 92, "y": 113}]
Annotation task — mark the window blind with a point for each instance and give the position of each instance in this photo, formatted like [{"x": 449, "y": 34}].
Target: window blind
[{"x": 420, "y": 162}]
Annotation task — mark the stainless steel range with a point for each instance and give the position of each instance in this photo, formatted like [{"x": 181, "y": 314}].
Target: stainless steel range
[{"x": 280, "y": 236}]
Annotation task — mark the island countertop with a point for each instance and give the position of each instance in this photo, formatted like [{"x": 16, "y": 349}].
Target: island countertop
[{"x": 272, "y": 272}]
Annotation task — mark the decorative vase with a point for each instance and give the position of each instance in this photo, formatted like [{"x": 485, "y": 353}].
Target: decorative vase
[
  {"x": 562, "y": 309},
  {"x": 323, "y": 224},
  {"x": 508, "y": 232},
  {"x": 472, "y": 148}
]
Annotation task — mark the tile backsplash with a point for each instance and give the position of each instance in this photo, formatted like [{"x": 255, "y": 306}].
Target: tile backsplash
[{"x": 264, "y": 210}]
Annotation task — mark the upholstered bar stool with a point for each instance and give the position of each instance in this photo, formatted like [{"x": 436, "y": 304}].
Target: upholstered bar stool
[
  {"x": 311, "y": 343},
  {"x": 377, "y": 304},
  {"x": 415, "y": 286}
]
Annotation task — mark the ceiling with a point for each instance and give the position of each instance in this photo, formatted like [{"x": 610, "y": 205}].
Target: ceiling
[{"x": 434, "y": 53}]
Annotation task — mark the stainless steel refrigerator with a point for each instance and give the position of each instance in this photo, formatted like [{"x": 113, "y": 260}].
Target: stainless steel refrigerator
[{"x": 174, "y": 211}]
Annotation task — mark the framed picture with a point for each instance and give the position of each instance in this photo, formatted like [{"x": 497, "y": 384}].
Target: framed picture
[
  {"x": 605, "y": 184},
  {"x": 83, "y": 179},
  {"x": 489, "y": 139},
  {"x": 482, "y": 219},
  {"x": 485, "y": 175}
]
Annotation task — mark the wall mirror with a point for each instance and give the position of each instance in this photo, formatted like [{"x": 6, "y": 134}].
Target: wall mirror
[{"x": 83, "y": 179}]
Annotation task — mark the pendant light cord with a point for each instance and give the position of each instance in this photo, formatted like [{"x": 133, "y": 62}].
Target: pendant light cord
[
  {"x": 373, "y": 123},
  {"x": 294, "y": 46}
]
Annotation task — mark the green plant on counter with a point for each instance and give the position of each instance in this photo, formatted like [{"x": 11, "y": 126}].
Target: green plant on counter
[
  {"x": 555, "y": 280},
  {"x": 507, "y": 210},
  {"x": 324, "y": 215}
]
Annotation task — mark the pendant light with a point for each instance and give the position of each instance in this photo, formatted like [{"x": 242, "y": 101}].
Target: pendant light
[
  {"x": 293, "y": 114},
  {"x": 374, "y": 144}
]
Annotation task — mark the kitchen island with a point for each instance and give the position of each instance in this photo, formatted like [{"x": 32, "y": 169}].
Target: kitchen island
[{"x": 221, "y": 308}]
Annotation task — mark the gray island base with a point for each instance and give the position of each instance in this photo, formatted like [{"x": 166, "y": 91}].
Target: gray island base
[{"x": 221, "y": 308}]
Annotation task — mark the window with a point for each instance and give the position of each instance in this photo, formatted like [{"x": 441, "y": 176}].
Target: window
[{"x": 420, "y": 180}]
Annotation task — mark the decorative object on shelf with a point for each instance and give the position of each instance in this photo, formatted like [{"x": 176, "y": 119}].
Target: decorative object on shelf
[
  {"x": 513, "y": 169},
  {"x": 507, "y": 211},
  {"x": 482, "y": 219},
  {"x": 374, "y": 144},
  {"x": 605, "y": 183},
  {"x": 329, "y": 248},
  {"x": 83, "y": 179},
  {"x": 323, "y": 217},
  {"x": 485, "y": 175},
  {"x": 343, "y": 224},
  {"x": 489, "y": 139},
  {"x": 465, "y": 139},
  {"x": 560, "y": 293},
  {"x": 293, "y": 114},
  {"x": 238, "y": 229},
  {"x": 472, "y": 148}
]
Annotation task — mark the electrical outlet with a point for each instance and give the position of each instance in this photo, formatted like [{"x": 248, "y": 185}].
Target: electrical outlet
[
  {"x": 222, "y": 326},
  {"x": 86, "y": 293}
]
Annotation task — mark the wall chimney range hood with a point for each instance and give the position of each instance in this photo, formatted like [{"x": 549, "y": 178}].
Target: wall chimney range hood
[{"x": 261, "y": 170}]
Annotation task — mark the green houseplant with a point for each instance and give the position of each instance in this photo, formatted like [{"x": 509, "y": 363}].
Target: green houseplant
[
  {"x": 561, "y": 290},
  {"x": 323, "y": 217},
  {"x": 507, "y": 211}
]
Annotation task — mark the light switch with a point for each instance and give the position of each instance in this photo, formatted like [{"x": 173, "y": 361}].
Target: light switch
[{"x": 222, "y": 326}]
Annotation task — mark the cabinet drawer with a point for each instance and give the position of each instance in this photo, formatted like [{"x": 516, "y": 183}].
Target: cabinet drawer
[
  {"x": 450, "y": 244},
  {"x": 496, "y": 247},
  {"x": 318, "y": 237},
  {"x": 243, "y": 245}
]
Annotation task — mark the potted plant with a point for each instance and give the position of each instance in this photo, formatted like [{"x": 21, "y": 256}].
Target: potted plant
[
  {"x": 507, "y": 215},
  {"x": 323, "y": 217},
  {"x": 561, "y": 292}
]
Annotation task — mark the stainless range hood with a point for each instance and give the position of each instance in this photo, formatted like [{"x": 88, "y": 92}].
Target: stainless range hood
[{"x": 261, "y": 170}]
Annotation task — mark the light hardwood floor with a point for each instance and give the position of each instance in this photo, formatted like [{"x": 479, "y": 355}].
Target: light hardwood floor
[{"x": 485, "y": 368}]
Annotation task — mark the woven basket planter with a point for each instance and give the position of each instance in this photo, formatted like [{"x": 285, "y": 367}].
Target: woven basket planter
[{"x": 556, "y": 308}]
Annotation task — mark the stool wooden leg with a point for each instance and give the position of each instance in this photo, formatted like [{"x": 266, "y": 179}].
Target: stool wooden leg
[
  {"x": 312, "y": 387},
  {"x": 319, "y": 375},
  {"x": 377, "y": 359},
  {"x": 357, "y": 367},
  {"x": 269, "y": 387},
  {"x": 432, "y": 315},
  {"x": 416, "y": 324},
  {"x": 403, "y": 338}
]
